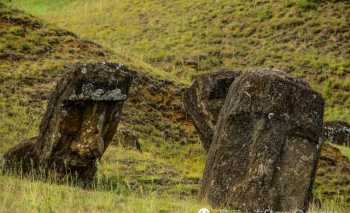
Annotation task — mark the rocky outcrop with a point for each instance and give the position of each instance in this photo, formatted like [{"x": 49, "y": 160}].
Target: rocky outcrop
[
  {"x": 337, "y": 132},
  {"x": 204, "y": 100},
  {"x": 266, "y": 144},
  {"x": 81, "y": 119}
]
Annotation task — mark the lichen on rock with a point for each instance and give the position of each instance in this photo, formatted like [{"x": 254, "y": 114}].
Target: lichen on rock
[
  {"x": 337, "y": 132},
  {"x": 266, "y": 144}
]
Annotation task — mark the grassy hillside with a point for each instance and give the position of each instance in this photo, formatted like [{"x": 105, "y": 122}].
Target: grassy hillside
[
  {"x": 309, "y": 38},
  {"x": 27, "y": 196},
  {"x": 33, "y": 55},
  {"x": 168, "y": 41}
]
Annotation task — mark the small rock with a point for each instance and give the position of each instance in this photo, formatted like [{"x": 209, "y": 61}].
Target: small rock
[
  {"x": 129, "y": 140},
  {"x": 337, "y": 132}
]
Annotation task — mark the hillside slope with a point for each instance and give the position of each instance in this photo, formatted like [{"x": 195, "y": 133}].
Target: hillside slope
[
  {"x": 33, "y": 55},
  {"x": 309, "y": 38}
]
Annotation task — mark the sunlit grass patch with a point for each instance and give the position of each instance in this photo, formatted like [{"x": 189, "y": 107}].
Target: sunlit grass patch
[
  {"x": 345, "y": 150},
  {"x": 21, "y": 195}
]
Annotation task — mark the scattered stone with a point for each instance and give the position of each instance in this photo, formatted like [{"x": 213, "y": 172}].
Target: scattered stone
[
  {"x": 266, "y": 145},
  {"x": 22, "y": 154},
  {"x": 204, "y": 100},
  {"x": 337, "y": 132},
  {"x": 81, "y": 119},
  {"x": 129, "y": 140}
]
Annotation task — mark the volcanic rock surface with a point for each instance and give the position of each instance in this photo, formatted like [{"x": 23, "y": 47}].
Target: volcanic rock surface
[{"x": 81, "y": 118}]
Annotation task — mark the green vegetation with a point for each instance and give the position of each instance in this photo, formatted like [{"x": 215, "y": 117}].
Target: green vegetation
[
  {"x": 171, "y": 40},
  {"x": 333, "y": 175},
  {"x": 344, "y": 150},
  {"x": 310, "y": 38},
  {"x": 21, "y": 195}
]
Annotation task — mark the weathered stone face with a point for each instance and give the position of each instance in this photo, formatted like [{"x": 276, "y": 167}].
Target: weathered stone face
[
  {"x": 266, "y": 144},
  {"x": 337, "y": 132},
  {"x": 81, "y": 119},
  {"x": 204, "y": 100}
]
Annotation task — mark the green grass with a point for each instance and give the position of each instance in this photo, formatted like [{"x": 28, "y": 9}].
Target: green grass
[
  {"x": 23, "y": 195},
  {"x": 308, "y": 38},
  {"x": 169, "y": 40},
  {"x": 344, "y": 150},
  {"x": 42, "y": 7},
  {"x": 18, "y": 195},
  {"x": 127, "y": 181},
  {"x": 333, "y": 176}
]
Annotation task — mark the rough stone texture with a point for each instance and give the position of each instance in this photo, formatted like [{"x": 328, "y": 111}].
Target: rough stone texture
[
  {"x": 266, "y": 144},
  {"x": 204, "y": 100},
  {"x": 337, "y": 132},
  {"x": 22, "y": 154},
  {"x": 80, "y": 121}
]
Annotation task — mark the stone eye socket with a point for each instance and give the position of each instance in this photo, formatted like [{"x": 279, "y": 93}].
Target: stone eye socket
[{"x": 220, "y": 89}]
